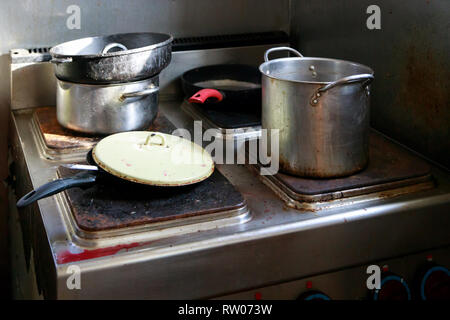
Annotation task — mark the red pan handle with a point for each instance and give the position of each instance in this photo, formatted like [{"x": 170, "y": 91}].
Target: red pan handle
[{"x": 202, "y": 95}]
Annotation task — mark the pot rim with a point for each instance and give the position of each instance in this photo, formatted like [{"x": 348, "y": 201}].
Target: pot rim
[
  {"x": 111, "y": 54},
  {"x": 115, "y": 84},
  {"x": 267, "y": 63}
]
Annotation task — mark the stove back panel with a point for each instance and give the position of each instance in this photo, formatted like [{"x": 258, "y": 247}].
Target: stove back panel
[{"x": 409, "y": 54}]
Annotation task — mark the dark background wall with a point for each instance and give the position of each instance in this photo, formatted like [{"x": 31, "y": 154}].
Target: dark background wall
[{"x": 409, "y": 54}]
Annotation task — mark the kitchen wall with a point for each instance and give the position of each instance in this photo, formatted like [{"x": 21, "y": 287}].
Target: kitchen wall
[
  {"x": 410, "y": 56},
  {"x": 30, "y": 23}
]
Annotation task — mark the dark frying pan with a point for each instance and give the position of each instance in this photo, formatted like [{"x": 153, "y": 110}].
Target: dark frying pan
[
  {"x": 225, "y": 86},
  {"x": 91, "y": 174},
  {"x": 83, "y": 178}
]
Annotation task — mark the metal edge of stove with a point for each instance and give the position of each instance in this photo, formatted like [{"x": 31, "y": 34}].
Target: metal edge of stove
[
  {"x": 426, "y": 212},
  {"x": 347, "y": 197},
  {"x": 151, "y": 231},
  {"x": 62, "y": 155},
  {"x": 335, "y": 199},
  {"x": 244, "y": 133}
]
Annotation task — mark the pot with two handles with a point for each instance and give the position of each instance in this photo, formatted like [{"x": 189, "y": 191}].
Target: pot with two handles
[
  {"x": 107, "y": 108},
  {"x": 321, "y": 108}
]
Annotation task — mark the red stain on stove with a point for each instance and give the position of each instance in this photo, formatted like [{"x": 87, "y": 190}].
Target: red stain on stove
[{"x": 66, "y": 256}]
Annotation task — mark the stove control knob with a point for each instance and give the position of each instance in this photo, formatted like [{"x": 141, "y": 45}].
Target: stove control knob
[
  {"x": 433, "y": 282},
  {"x": 313, "y": 295},
  {"x": 392, "y": 287}
]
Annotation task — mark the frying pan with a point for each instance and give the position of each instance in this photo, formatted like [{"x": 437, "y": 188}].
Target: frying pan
[
  {"x": 94, "y": 171},
  {"x": 226, "y": 86}
]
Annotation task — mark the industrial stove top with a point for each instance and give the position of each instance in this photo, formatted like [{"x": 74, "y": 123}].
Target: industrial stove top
[
  {"x": 119, "y": 208},
  {"x": 391, "y": 171},
  {"x": 237, "y": 233}
]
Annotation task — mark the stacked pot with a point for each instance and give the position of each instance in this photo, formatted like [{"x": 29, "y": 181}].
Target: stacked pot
[{"x": 110, "y": 84}]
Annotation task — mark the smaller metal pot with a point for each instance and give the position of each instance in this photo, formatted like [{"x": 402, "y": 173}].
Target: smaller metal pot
[{"x": 106, "y": 109}]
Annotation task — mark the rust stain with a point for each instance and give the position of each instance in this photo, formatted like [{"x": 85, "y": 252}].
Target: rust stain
[
  {"x": 320, "y": 173},
  {"x": 388, "y": 162},
  {"x": 57, "y": 137},
  {"x": 112, "y": 204},
  {"x": 421, "y": 103},
  {"x": 424, "y": 91},
  {"x": 67, "y": 257}
]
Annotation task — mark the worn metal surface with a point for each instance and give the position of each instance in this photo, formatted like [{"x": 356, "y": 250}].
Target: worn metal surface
[
  {"x": 88, "y": 60},
  {"x": 56, "y": 136},
  {"x": 348, "y": 284},
  {"x": 278, "y": 244},
  {"x": 106, "y": 109},
  {"x": 392, "y": 171},
  {"x": 388, "y": 163},
  {"x": 111, "y": 204},
  {"x": 410, "y": 97},
  {"x": 56, "y": 139}
]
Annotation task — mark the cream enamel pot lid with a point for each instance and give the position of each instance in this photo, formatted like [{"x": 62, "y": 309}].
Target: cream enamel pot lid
[{"x": 153, "y": 158}]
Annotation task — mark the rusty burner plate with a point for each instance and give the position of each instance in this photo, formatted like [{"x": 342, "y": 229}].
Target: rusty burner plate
[
  {"x": 56, "y": 136},
  {"x": 114, "y": 205},
  {"x": 390, "y": 166},
  {"x": 59, "y": 143},
  {"x": 108, "y": 204}
]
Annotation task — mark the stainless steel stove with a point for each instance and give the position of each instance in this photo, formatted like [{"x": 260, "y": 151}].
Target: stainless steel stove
[{"x": 276, "y": 237}]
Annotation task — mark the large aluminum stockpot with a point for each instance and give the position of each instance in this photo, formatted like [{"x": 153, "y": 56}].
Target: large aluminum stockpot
[
  {"x": 106, "y": 109},
  {"x": 115, "y": 58},
  {"x": 321, "y": 108}
]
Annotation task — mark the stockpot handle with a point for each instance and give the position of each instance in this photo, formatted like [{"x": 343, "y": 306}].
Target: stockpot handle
[
  {"x": 366, "y": 78},
  {"x": 266, "y": 54},
  {"x": 151, "y": 89},
  {"x": 109, "y": 46},
  {"x": 56, "y": 186}
]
